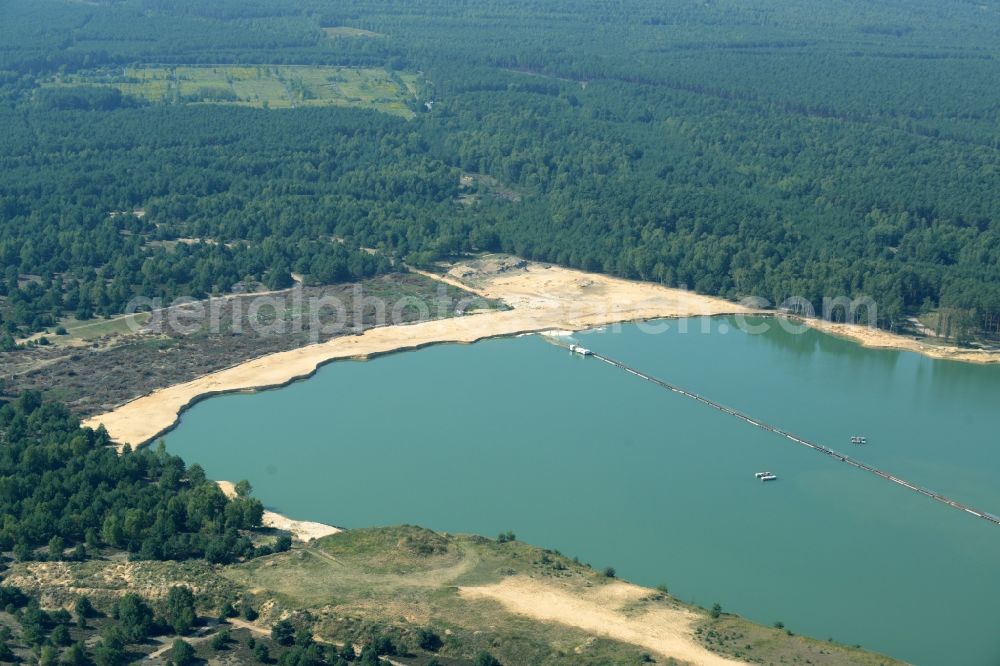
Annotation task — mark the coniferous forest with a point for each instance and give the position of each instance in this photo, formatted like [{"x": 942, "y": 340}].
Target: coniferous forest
[
  {"x": 735, "y": 148},
  {"x": 65, "y": 489}
]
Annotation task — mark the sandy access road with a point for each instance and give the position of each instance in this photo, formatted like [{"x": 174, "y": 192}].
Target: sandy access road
[
  {"x": 602, "y": 611},
  {"x": 542, "y": 298}
]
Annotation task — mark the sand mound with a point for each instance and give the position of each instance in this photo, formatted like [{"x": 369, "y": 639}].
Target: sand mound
[{"x": 666, "y": 631}]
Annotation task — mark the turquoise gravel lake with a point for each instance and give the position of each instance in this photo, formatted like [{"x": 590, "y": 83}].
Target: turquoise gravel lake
[{"x": 572, "y": 454}]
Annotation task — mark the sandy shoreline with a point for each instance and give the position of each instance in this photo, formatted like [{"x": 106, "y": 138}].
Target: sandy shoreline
[
  {"x": 876, "y": 338},
  {"x": 303, "y": 530},
  {"x": 542, "y": 298}
]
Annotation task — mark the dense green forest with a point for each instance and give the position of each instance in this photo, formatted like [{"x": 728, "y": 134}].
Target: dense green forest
[
  {"x": 65, "y": 492},
  {"x": 735, "y": 148}
]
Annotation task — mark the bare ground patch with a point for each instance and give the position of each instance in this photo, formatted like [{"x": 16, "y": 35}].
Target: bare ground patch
[
  {"x": 601, "y": 610},
  {"x": 121, "y": 365}
]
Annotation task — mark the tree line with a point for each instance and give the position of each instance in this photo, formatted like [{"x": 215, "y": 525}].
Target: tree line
[{"x": 66, "y": 493}]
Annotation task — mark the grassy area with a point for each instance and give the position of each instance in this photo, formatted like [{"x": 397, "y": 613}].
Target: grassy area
[
  {"x": 409, "y": 578},
  {"x": 737, "y": 637},
  {"x": 270, "y": 86},
  {"x": 91, "y": 329},
  {"x": 398, "y": 581},
  {"x": 403, "y": 579},
  {"x": 73, "y": 332}
]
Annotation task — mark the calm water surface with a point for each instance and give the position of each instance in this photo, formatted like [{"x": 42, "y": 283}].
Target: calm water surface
[{"x": 575, "y": 455}]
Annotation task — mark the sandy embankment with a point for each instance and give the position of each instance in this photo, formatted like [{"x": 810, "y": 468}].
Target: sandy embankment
[
  {"x": 876, "y": 338},
  {"x": 542, "y": 298},
  {"x": 601, "y": 611},
  {"x": 513, "y": 288},
  {"x": 301, "y": 529}
]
